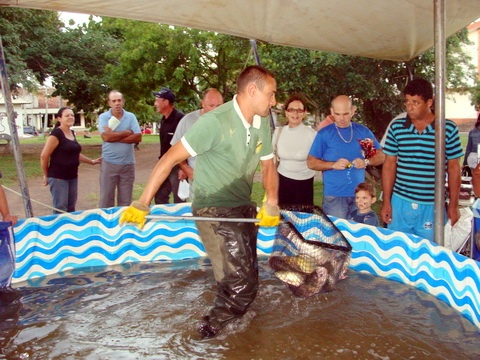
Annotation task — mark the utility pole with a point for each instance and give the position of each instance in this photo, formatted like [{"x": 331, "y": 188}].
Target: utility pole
[{"x": 45, "y": 123}]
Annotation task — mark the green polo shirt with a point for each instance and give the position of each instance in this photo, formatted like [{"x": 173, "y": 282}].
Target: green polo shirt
[{"x": 228, "y": 151}]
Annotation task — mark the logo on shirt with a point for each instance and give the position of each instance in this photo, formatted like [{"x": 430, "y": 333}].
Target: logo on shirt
[
  {"x": 258, "y": 147},
  {"x": 428, "y": 225}
]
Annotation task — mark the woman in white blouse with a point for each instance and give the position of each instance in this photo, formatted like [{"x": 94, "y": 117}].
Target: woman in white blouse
[{"x": 292, "y": 143}]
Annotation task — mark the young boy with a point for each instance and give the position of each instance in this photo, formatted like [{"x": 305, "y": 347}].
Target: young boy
[{"x": 364, "y": 198}]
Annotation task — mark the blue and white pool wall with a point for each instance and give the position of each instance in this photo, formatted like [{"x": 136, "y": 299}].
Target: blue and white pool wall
[{"x": 56, "y": 244}]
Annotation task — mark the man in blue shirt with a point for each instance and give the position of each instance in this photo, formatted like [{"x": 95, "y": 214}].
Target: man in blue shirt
[
  {"x": 408, "y": 175},
  {"x": 120, "y": 131},
  {"x": 337, "y": 152}
]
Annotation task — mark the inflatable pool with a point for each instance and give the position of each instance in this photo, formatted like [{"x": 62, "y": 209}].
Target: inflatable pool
[{"x": 56, "y": 244}]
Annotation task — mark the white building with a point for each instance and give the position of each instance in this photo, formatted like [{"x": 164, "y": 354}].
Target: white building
[{"x": 32, "y": 110}]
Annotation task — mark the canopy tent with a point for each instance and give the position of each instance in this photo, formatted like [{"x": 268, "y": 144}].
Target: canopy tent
[{"x": 383, "y": 29}]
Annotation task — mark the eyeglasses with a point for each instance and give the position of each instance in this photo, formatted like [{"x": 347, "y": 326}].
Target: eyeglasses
[{"x": 298, "y": 111}]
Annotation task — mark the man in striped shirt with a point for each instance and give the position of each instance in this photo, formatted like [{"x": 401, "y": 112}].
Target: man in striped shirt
[{"x": 408, "y": 174}]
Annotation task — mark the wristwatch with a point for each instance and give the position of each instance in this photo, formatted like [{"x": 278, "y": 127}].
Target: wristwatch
[{"x": 367, "y": 162}]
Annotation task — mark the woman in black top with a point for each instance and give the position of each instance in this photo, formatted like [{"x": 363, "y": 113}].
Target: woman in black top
[{"x": 60, "y": 160}]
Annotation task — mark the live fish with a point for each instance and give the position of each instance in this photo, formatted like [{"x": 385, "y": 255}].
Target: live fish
[
  {"x": 302, "y": 263},
  {"x": 291, "y": 277},
  {"x": 313, "y": 283}
]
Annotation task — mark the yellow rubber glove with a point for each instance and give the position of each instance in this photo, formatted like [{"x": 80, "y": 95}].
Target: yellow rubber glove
[
  {"x": 269, "y": 215},
  {"x": 135, "y": 214}
]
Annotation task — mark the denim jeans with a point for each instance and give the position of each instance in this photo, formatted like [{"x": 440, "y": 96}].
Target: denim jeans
[
  {"x": 339, "y": 206},
  {"x": 64, "y": 194}
]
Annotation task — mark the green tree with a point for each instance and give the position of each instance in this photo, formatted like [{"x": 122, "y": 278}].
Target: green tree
[
  {"x": 26, "y": 35},
  {"x": 476, "y": 96},
  {"x": 39, "y": 47},
  {"x": 186, "y": 60},
  {"x": 78, "y": 68},
  {"x": 375, "y": 85}
]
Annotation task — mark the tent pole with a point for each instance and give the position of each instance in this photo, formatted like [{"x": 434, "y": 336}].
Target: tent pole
[
  {"x": 253, "y": 43},
  {"x": 13, "y": 131},
  {"x": 440, "y": 77}
]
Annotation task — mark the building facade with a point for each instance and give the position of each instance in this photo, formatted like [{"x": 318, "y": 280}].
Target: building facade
[{"x": 37, "y": 110}]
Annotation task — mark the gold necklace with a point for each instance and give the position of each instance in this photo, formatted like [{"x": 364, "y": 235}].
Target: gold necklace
[{"x": 341, "y": 137}]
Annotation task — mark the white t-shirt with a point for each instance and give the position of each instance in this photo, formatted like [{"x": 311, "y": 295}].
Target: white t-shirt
[{"x": 293, "y": 147}]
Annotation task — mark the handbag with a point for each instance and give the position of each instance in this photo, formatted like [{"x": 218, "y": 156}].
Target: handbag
[
  {"x": 456, "y": 236},
  {"x": 276, "y": 158}
]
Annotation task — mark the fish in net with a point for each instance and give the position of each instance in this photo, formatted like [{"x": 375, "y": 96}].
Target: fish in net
[{"x": 310, "y": 255}]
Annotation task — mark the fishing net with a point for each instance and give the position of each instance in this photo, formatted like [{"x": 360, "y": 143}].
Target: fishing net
[{"x": 310, "y": 255}]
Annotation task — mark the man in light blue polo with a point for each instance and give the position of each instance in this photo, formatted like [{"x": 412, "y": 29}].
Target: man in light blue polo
[{"x": 120, "y": 131}]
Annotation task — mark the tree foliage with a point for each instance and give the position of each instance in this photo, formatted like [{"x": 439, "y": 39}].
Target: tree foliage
[
  {"x": 476, "y": 96},
  {"x": 38, "y": 47},
  {"x": 186, "y": 60},
  {"x": 375, "y": 85},
  {"x": 78, "y": 68},
  {"x": 26, "y": 35}
]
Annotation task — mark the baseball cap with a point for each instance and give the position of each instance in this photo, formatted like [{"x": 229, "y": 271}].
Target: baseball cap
[{"x": 165, "y": 93}]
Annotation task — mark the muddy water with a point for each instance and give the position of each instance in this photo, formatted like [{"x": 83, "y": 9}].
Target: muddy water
[{"x": 150, "y": 311}]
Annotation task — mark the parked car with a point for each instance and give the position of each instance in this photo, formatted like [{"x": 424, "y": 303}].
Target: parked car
[{"x": 30, "y": 130}]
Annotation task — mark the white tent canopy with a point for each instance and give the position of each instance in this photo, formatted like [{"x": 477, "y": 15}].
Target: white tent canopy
[{"x": 383, "y": 29}]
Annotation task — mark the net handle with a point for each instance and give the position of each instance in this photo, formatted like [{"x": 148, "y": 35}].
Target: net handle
[{"x": 198, "y": 218}]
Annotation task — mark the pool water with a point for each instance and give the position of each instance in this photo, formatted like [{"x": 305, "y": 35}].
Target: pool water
[{"x": 151, "y": 311}]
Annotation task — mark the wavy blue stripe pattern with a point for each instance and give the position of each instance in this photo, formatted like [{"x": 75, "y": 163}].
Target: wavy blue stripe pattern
[{"x": 56, "y": 243}]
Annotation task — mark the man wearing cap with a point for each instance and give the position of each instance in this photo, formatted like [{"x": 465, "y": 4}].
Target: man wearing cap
[
  {"x": 164, "y": 102},
  {"x": 119, "y": 130}
]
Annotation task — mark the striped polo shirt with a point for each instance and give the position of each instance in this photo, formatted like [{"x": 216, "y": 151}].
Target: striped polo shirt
[{"x": 415, "y": 152}]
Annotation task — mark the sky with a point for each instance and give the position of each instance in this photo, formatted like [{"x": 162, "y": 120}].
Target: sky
[{"x": 78, "y": 18}]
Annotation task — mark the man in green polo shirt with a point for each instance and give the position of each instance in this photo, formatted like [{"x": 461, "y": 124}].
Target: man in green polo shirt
[{"x": 229, "y": 142}]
